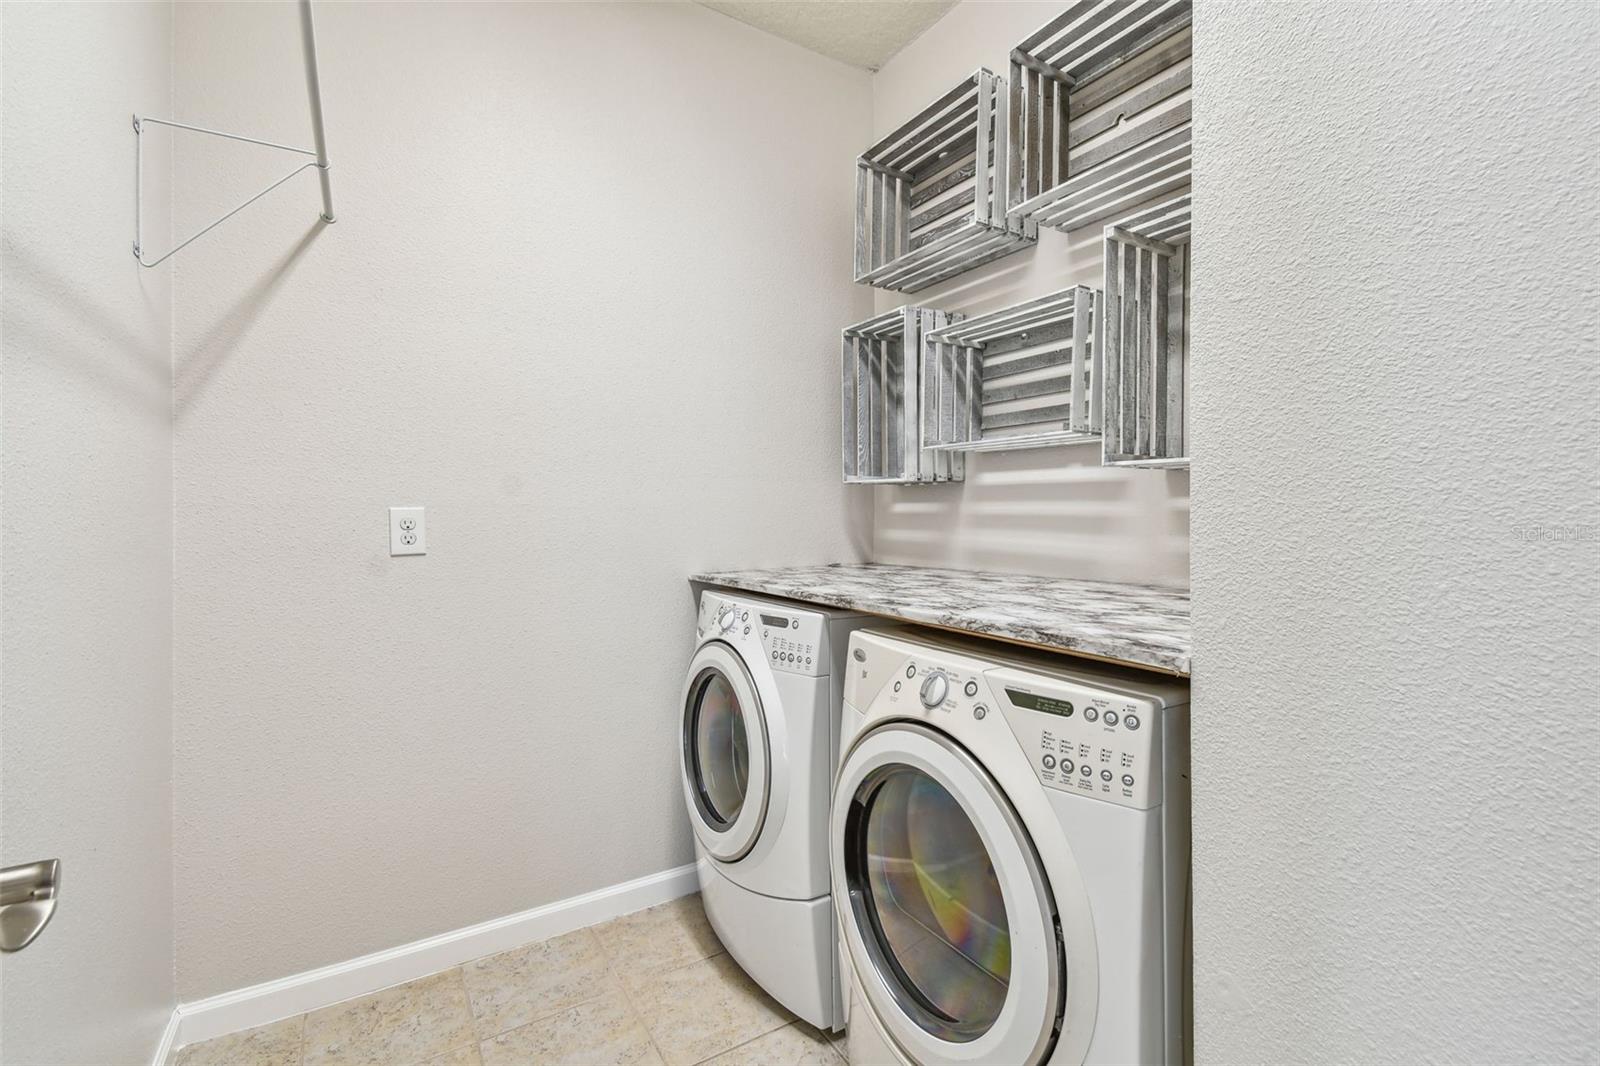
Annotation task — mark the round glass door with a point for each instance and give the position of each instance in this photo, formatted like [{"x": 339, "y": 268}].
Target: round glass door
[
  {"x": 719, "y": 749},
  {"x": 725, "y": 758},
  {"x": 930, "y": 904},
  {"x": 945, "y": 910}
]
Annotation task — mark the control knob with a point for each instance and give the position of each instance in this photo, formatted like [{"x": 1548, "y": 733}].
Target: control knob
[
  {"x": 727, "y": 618},
  {"x": 935, "y": 689}
]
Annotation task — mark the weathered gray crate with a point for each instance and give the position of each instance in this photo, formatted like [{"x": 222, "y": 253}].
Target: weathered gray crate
[
  {"x": 879, "y": 408},
  {"x": 931, "y": 196},
  {"x": 1099, "y": 111},
  {"x": 1025, "y": 376},
  {"x": 1147, "y": 337}
]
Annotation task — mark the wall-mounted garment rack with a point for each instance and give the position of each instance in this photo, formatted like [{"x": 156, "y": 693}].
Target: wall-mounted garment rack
[{"x": 318, "y": 154}]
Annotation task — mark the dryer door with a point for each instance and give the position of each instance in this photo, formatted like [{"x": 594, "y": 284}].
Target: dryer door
[
  {"x": 726, "y": 760},
  {"x": 945, "y": 909}
]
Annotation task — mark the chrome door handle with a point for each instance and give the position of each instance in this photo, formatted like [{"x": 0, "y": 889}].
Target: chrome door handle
[{"x": 27, "y": 900}]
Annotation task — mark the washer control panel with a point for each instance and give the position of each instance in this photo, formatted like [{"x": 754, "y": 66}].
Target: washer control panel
[
  {"x": 1087, "y": 741},
  {"x": 788, "y": 639},
  {"x": 1086, "y": 731}
]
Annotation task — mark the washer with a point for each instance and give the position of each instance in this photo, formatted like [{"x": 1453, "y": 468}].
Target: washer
[
  {"x": 1010, "y": 853},
  {"x": 760, "y": 740}
]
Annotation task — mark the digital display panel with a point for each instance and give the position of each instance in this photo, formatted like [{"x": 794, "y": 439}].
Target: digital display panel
[
  {"x": 776, "y": 621},
  {"x": 1034, "y": 702}
]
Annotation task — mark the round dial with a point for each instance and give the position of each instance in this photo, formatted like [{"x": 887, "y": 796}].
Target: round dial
[
  {"x": 727, "y": 617},
  {"x": 935, "y": 689}
]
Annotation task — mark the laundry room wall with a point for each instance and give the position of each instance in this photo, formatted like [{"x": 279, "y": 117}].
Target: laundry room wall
[
  {"x": 1053, "y": 511},
  {"x": 582, "y": 302},
  {"x": 1396, "y": 533},
  {"x": 86, "y": 538}
]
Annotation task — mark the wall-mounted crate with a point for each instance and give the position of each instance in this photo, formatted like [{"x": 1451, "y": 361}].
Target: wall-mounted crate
[
  {"x": 931, "y": 196},
  {"x": 1022, "y": 377},
  {"x": 1100, "y": 111},
  {"x": 1146, "y": 334},
  {"x": 882, "y": 365}
]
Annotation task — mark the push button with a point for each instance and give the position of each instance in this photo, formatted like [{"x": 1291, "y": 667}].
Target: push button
[
  {"x": 1131, "y": 721},
  {"x": 1127, "y": 779},
  {"x": 971, "y": 688},
  {"x": 1090, "y": 714},
  {"x": 1105, "y": 775},
  {"x": 1086, "y": 770},
  {"x": 1048, "y": 762},
  {"x": 1066, "y": 766},
  {"x": 1111, "y": 718},
  {"x": 911, "y": 669}
]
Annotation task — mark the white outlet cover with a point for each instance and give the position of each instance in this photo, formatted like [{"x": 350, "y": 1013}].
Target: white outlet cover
[{"x": 408, "y": 531}]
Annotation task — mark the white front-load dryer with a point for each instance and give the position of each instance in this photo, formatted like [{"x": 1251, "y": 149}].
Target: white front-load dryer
[
  {"x": 1010, "y": 853},
  {"x": 760, "y": 741}
]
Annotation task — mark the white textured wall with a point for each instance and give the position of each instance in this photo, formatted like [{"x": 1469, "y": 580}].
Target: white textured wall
[
  {"x": 1051, "y": 511},
  {"x": 1397, "y": 839},
  {"x": 582, "y": 303},
  {"x": 86, "y": 633}
]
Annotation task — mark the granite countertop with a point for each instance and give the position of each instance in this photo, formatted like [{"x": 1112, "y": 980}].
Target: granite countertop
[{"x": 1141, "y": 625}]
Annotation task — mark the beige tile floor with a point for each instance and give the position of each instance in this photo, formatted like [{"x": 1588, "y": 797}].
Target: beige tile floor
[{"x": 653, "y": 987}]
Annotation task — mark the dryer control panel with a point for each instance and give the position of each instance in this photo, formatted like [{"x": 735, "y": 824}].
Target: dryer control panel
[
  {"x": 788, "y": 639},
  {"x": 1088, "y": 741}
]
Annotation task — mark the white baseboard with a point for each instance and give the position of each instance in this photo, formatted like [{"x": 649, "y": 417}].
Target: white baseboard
[
  {"x": 169, "y": 1037},
  {"x": 272, "y": 1001}
]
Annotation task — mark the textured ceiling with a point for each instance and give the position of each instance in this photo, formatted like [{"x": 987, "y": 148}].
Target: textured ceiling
[{"x": 863, "y": 33}]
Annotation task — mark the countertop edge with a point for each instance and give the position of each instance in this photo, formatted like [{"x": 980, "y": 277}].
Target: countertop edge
[{"x": 1174, "y": 665}]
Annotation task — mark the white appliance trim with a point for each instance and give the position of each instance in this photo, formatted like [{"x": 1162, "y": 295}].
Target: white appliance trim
[{"x": 271, "y": 1001}]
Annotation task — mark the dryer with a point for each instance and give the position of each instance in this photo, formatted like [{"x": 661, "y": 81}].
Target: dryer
[
  {"x": 1010, "y": 856},
  {"x": 760, "y": 736}
]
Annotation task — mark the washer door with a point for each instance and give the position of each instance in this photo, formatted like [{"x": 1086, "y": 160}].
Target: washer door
[
  {"x": 943, "y": 903},
  {"x": 726, "y": 760}
]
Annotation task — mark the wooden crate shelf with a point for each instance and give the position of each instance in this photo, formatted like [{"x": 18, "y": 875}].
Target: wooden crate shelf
[
  {"x": 881, "y": 379},
  {"x": 1025, "y": 376},
  {"x": 931, "y": 196},
  {"x": 1100, "y": 119},
  {"x": 1147, "y": 337}
]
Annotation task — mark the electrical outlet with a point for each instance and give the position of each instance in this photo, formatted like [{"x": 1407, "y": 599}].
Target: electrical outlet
[{"x": 408, "y": 531}]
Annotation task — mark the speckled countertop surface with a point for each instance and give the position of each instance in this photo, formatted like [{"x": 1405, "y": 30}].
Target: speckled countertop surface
[{"x": 1143, "y": 625}]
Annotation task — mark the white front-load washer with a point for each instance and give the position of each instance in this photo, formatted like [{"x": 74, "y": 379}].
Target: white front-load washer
[
  {"x": 760, "y": 741},
  {"x": 1010, "y": 852}
]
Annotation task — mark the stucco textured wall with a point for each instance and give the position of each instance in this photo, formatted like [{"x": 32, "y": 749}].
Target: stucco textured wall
[
  {"x": 86, "y": 633},
  {"x": 1053, "y": 511},
  {"x": 582, "y": 303},
  {"x": 1397, "y": 837}
]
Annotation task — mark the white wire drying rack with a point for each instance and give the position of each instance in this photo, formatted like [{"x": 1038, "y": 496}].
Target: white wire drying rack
[{"x": 318, "y": 153}]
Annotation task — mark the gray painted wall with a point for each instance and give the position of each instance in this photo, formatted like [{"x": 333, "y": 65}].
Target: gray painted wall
[
  {"x": 86, "y": 632},
  {"x": 582, "y": 303},
  {"x": 1397, "y": 838}
]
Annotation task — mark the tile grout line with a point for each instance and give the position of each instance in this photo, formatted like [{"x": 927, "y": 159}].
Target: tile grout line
[
  {"x": 746, "y": 1043},
  {"x": 625, "y": 992}
]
